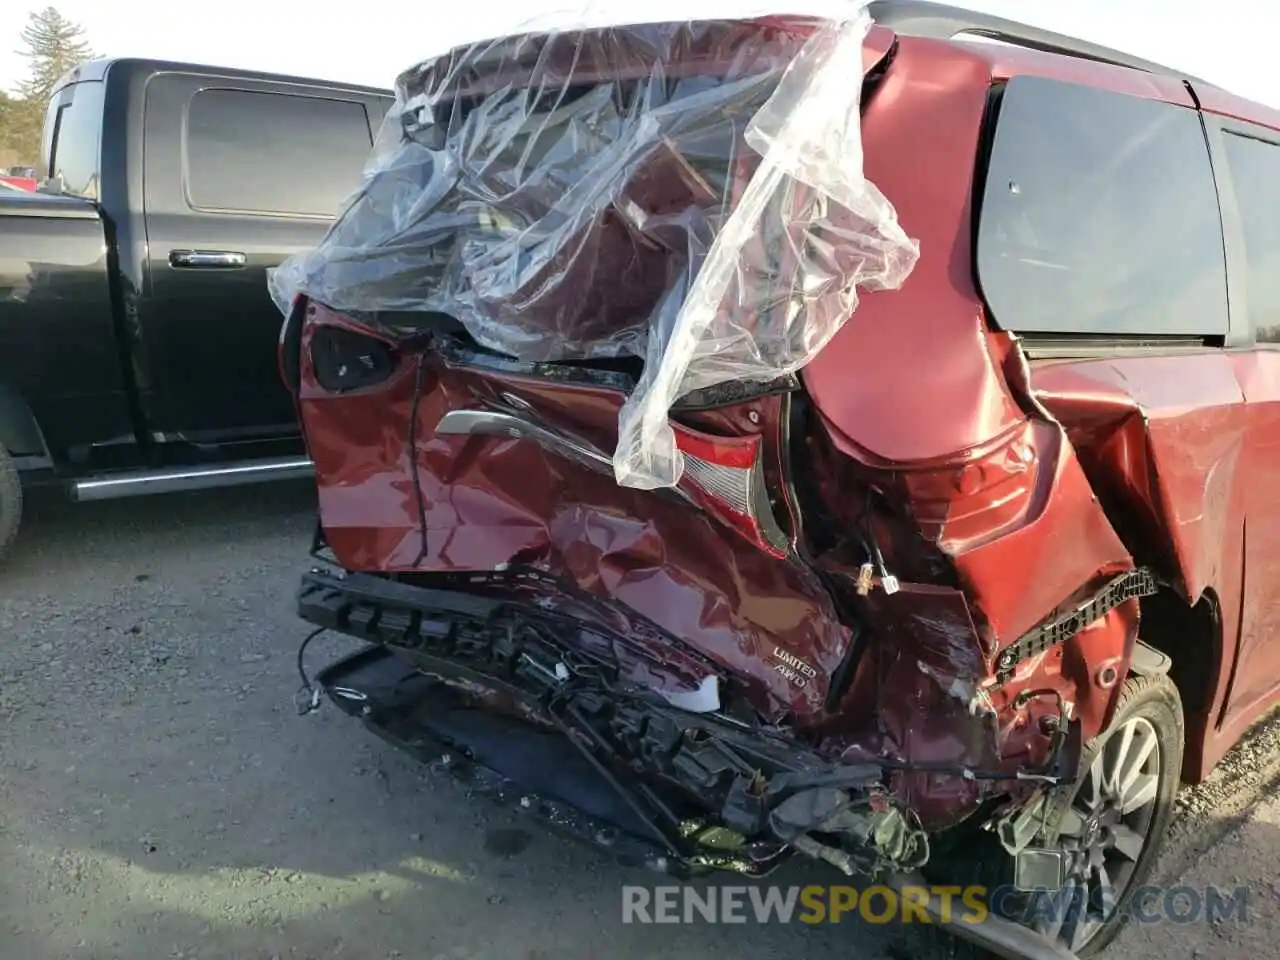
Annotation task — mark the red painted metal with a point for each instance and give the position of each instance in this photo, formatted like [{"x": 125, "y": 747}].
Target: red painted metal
[
  {"x": 1001, "y": 489},
  {"x": 492, "y": 501}
]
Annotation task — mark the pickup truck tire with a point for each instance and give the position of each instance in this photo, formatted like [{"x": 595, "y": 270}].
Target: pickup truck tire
[{"x": 10, "y": 502}]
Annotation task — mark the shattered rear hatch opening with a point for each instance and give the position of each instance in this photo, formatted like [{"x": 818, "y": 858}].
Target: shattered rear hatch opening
[
  {"x": 559, "y": 324},
  {"x": 712, "y": 788},
  {"x": 688, "y": 194}
]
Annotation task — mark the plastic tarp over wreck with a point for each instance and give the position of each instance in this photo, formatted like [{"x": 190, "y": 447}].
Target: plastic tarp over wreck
[{"x": 588, "y": 193}]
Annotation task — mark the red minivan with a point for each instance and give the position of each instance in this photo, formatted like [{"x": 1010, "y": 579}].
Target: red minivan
[{"x": 751, "y": 445}]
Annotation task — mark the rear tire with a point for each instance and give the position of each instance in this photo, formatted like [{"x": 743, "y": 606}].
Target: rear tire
[
  {"x": 10, "y": 502},
  {"x": 1114, "y": 822},
  {"x": 1148, "y": 726}
]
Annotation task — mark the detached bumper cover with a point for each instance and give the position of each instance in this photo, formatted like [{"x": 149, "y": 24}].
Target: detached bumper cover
[
  {"x": 615, "y": 770},
  {"x": 708, "y": 790}
]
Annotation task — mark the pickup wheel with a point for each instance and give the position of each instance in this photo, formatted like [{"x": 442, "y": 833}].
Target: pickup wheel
[{"x": 10, "y": 502}]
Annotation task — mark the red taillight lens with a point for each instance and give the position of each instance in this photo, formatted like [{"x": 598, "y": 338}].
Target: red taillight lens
[{"x": 725, "y": 477}]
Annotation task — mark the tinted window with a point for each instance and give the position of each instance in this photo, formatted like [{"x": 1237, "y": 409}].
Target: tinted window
[
  {"x": 1255, "y": 172},
  {"x": 273, "y": 153},
  {"x": 75, "y": 140},
  {"x": 1100, "y": 215}
]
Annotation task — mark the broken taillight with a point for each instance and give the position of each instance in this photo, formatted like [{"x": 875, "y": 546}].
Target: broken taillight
[{"x": 725, "y": 477}]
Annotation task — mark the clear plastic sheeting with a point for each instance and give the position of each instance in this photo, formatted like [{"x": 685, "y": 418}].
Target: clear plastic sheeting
[{"x": 689, "y": 193}]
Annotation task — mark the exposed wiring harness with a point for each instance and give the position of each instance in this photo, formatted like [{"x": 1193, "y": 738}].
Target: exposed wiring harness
[
  {"x": 875, "y": 559},
  {"x": 307, "y": 699}
]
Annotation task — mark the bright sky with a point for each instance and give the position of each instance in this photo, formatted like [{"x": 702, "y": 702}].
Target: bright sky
[{"x": 370, "y": 41}]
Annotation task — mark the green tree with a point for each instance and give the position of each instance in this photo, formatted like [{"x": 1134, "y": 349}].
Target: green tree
[
  {"x": 53, "y": 45},
  {"x": 20, "y": 123}
]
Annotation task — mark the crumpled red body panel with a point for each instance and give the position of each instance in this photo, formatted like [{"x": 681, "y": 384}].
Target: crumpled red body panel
[
  {"x": 491, "y": 502},
  {"x": 1184, "y": 451},
  {"x": 922, "y": 403},
  {"x": 1025, "y": 483},
  {"x": 927, "y": 699},
  {"x": 987, "y": 477},
  {"x": 1162, "y": 439}
]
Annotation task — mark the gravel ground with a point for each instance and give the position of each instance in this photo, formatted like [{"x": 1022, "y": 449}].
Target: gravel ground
[{"x": 160, "y": 798}]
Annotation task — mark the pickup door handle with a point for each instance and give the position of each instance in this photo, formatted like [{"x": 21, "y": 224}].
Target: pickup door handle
[{"x": 207, "y": 259}]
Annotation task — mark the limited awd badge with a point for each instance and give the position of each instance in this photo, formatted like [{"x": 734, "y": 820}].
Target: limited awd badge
[{"x": 792, "y": 667}]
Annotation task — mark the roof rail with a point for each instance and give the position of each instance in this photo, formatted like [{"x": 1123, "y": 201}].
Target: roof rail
[{"x": 923, "y": 18}]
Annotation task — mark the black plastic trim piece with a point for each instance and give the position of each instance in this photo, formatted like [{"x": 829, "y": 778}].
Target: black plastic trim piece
[
  {"x": 733, "y": 391},
  {"x": 291, "y": 346},
  {"x": 506, "y": 762},
  {"x": 1090, "y": 346},
  {"x": 1147, "y": 661},
  {"x": 1057, "y": 631}
]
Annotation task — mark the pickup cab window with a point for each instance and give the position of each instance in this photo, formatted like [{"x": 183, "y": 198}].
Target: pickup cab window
[
  {"x": 1100, "y": 216},
  {"x": 273, "y": 153},
  {"x": 73, "y": 137}
]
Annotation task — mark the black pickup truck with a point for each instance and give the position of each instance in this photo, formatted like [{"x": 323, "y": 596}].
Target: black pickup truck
[{"x": 137, "y": 336}]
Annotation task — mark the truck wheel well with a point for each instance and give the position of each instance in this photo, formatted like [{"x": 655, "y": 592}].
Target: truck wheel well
[
  {"x": 1191, "y": 636},
  {"x": 19, "y": 433}
]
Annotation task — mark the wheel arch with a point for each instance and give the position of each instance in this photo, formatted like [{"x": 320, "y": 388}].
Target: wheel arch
[
  {"x": 1190, "y": 635},
  {"x": 20, "y": 432}
]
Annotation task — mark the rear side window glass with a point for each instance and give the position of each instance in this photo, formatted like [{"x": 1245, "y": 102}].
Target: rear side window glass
[
  {"x": 273, "y": 153},
  {"x": 74, "y": 137},
  {"x": 1100, "y": 216},
  {"x": 1255, "y": 174}
]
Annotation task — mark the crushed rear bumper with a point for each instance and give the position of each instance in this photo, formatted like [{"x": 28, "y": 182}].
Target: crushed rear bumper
[
  {"x": 475, "y": 686},
  {"x": 707, "y": 789}
]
